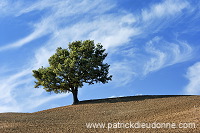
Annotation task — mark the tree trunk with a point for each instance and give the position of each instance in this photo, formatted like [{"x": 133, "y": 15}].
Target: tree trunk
[{"x": 75, "y": 96}]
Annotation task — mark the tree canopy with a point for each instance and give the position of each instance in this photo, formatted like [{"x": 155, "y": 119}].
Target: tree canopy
[{"x": 69, "y": 69}]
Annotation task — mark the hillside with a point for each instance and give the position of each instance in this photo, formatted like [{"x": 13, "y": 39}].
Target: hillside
[{"x": 119, "y": 114}]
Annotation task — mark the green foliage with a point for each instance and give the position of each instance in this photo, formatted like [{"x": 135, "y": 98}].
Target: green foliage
[{"x": 70, "y": 68}]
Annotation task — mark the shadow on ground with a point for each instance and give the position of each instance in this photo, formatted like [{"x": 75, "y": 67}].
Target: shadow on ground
[{"x": 127, "y": 99}]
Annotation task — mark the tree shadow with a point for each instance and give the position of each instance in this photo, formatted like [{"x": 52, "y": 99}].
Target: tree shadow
[{"x": 127, "y": 99}]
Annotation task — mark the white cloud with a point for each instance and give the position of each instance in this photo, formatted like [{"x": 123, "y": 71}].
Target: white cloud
[
  {"x": 107, "y": 29},
  {"x": 97, "y": 25},
  {"x": 165, "y": 9},
  {"x": 34, "y": 102},
  {"x": 3, "y": 3},
  {"x": 64, "y": 22},
  {"x": 113, "y": 31},
  {"x": 64, "y": 8},
  {"x": 41, "y": 57},
  {"x": 8, "y": 84},
  {"x": 18, "y": 95},
  {"x": 36, "y": 34},
  {"x": 122, "y": 73},
  {"x": 165, "y": 54},
  {"x": 161, "y": 15},
  {"x": 154, "y": 56},
  {"x": 8, "y": 7},
  {"x": 193, "y": 75},
  {"x": 115, "y": 96},
  {"x": 159, "y": 57},
  {"x": 9, "y": 108},
  {"x": 110, "y": 30},
  {"x": 57, "y": 14}
]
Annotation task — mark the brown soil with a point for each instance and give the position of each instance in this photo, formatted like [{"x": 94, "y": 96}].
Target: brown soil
[{"x": 115, "y": 112}]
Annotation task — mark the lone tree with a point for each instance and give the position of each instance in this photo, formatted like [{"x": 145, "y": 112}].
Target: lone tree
[{"x": 70, "y": 68}]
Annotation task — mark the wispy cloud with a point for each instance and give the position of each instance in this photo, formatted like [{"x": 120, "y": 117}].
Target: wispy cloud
[
  {"x": 8, "y": 7},
  {"x": 122, "y": 73},
  {"x": 155, "y": 55},
  {"x": 36, "y": 34},
  {"x": 54, "y": 23},
  {"x": 160, "y": 15},
  {"x": 96, "y": 24},
  {"x": 193, "y": 75},
  {"x": 10, "y": 83},
  {"x": 7, "y": 98},
  {"x": 67, "y": 21},
  {"x": 164, "y": 54},
  {"x": 13, "y": 100},
  {"x": 34, "y": 102},
  {"x": 167, "y": 8},
  {"x": 100, "y": 28}
]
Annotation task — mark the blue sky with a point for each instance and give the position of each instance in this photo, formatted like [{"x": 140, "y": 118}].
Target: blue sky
[{"x": 152, "y": 47}]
